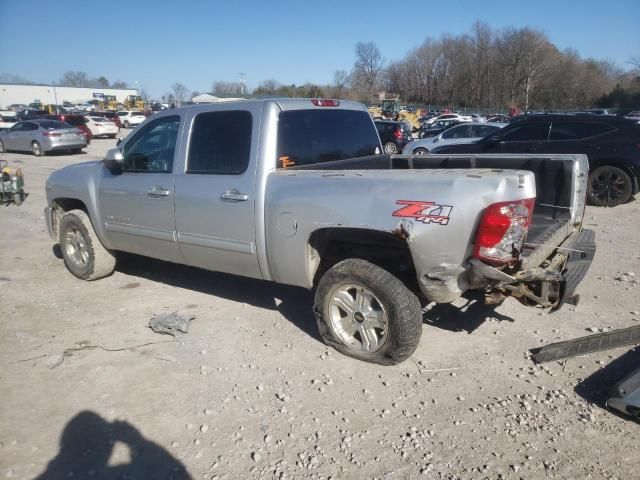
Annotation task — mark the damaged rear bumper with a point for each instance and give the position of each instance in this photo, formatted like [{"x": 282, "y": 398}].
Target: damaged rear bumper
[{"x": 549, "y": 285}]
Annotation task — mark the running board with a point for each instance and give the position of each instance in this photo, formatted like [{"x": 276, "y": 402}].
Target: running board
[{"x": 588, "y": 344}]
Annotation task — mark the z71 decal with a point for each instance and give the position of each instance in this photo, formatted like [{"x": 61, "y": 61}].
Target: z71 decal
[{"x": 425, "y": 212}]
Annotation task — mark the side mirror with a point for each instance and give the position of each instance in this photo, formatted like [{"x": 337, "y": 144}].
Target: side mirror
[{"x": 114, "y": 159}]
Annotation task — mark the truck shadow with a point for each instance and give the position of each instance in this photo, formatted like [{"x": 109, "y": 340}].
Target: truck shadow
[
  {"x": 466, "y": 318},
  {"x": 294, "y": 303},
  {"x": 87, "y": 444},
  {"x": 594, "y": 388}
]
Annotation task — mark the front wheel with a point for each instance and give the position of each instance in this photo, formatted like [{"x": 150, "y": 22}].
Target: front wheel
[
  {"x": 609, "y": 186},
  {"x": 421, "y": 151},
  {"x": 367, "y": 313},
  {"x": 83, "y": 253},
  {"x": 126, "y": 124}
]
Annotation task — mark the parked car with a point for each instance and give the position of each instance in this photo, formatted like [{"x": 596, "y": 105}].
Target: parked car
[
  {"x": 75, "y": 120},
  {"x": 500, "y": 118},
  {"x": 41, "y": 136},
  {"x": 611, "y": 143},
  {"x": 131, "y": 118},
  {"x": 462, "y": 133},
  {"x": 8, "y": 119},
  {"x": 436, "y": 128},
  {"x": 101, "y": 127},
  {"x": 450, "y": 116},
  {"x": 31, "y": 113},
  {"x": 393, "y": 135},
  {"x": 372, "y": 235},
  {"x": 113, "y": 116},
  {"x": 478, "y": 118}
]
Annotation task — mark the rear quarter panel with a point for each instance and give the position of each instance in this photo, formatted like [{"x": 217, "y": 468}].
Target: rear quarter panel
[{"x": 302, "y": 202}]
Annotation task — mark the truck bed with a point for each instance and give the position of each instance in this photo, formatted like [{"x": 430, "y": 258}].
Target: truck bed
[{"x": 559, "y": 193}]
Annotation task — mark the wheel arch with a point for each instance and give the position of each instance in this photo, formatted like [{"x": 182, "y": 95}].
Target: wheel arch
[
  {"x": 390, "y": 251},
  {"x": 60, "y": 206}
]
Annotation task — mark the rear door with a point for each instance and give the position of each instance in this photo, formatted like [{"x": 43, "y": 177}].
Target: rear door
[{"x": 215, "y": 190}]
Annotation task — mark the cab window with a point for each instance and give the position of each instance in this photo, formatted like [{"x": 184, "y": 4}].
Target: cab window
[{"x": 152, "y": 148}]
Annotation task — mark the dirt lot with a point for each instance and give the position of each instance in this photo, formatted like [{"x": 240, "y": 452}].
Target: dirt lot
[{"x": 251, "y": 392}]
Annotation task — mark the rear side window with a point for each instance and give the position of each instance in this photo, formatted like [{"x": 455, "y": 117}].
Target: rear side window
[
  {"x": 526, "y": 132},
  {"x": 457, "y": 132},
  {"x": 307, "y": 137},
  {"x": 577, "y": 130},
  {"x": 220, "y": 143},
  {"x": 75, "y": 120}
]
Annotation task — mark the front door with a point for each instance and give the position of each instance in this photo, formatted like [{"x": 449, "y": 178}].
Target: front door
[
  {"x": 136, "y": 205},
  {"x": 525, "y": 137},
  {"x": 215, "y": 191}
]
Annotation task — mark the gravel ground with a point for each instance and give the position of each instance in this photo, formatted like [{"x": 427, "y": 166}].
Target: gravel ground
[{"x": 251, "y": 392}]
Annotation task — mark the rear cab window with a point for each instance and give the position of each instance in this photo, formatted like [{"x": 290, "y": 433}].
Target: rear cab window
[{"x": 307, "y": 137}]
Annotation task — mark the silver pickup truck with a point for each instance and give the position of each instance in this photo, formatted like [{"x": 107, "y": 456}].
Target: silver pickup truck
[{"x": 296, "y": 191}]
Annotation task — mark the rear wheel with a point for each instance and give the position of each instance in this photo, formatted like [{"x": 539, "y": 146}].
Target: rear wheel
[
  {"x": 609, "y": 186},
  {"x": 126, "y": 124},
  {"x": 390, "y": 148},
  {"x": 421, "y": 151},
  {"x": 367, "y": 313},
  {"x": 36, "y": 148},
  {"x": 84, "y": 255},
  {"x": 18, "y": 198}
]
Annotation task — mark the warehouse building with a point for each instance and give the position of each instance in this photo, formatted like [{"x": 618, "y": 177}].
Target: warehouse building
[{"x": 53, "y": 94}]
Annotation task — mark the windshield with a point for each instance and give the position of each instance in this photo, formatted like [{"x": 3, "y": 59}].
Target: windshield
[{"x": 307, "y": 137}]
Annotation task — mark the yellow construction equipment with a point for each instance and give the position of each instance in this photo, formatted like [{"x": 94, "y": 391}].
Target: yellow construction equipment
[
  {"x": 134, "y": 102},
  {"x": 109, "y": 102}
]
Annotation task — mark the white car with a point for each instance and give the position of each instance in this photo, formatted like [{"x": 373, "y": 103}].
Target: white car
[
  {"x": 8, "y": 119},
  {"x": 465, "y": 133},
  {"x": 101, "y": 127},
  {"x": 131, "y": 118},
  {"x": 449, "y": 116}
]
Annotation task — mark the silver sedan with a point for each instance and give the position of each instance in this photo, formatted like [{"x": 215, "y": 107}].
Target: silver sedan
[
  {"x": 464, "y": 133},
  {"x": 41, "y": 136}
]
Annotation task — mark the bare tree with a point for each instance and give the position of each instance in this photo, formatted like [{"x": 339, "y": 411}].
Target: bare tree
[
  {"x": 74, "y": 79},
  {"x": 179, "y": 92},
  {"x": 222, "y": 89},
  {"x": 340, "y": 81},
  {"x": 368, "y": 66},
  {"x": 119, "y": 84},
  {"x": 144, "y": 94}
]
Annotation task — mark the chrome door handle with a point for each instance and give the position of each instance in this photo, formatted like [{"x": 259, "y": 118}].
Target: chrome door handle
[
  {"x": 158, "y": 191},
  {"x": 234, "y": 196}
]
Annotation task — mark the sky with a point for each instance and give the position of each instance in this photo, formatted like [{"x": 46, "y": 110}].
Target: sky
[{"x": 152, "y": 44}]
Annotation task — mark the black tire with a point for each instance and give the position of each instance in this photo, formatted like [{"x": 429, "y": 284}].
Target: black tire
[
  {"x": 99, "y": 262},
  {"x": 126, "y": 124},
  {"x": 76, "y": 151},
  {"x": 609, "y": 186},
  {"x": 390, "y": 148},
  {"x": 1, "y": 147},
  {"x": 421, "y": 151},
  {"x": 113, "y": 135},
  {"x": 36, "y": 149},
  {"x": 402, "y": 309},
  {"x": 18, "y": 198}
]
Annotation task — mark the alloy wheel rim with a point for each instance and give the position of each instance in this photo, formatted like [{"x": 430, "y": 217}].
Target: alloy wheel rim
[
  {"x": 358, "y": 318},
  {"x": 389, "y": 148},
  {"x": 76, "y": 247},
  {"x": 36, "y": 148},
  {"x": 608, "y": 186}
]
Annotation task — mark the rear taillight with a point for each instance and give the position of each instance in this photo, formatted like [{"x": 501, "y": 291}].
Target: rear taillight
[
  {"x": 321, "y": 102},
  {"x": 51, "y": 134},
  {"x": 502, "y": 231},
  {"x": 398, "y": 134}
]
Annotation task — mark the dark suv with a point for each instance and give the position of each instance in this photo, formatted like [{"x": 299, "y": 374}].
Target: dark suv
[
  {"x": 393, "y": 135},
  {"x": 612, "y": 145}
]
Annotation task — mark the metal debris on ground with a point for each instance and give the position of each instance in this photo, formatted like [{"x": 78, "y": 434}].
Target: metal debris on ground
[{"x": 171, "y": 323}]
